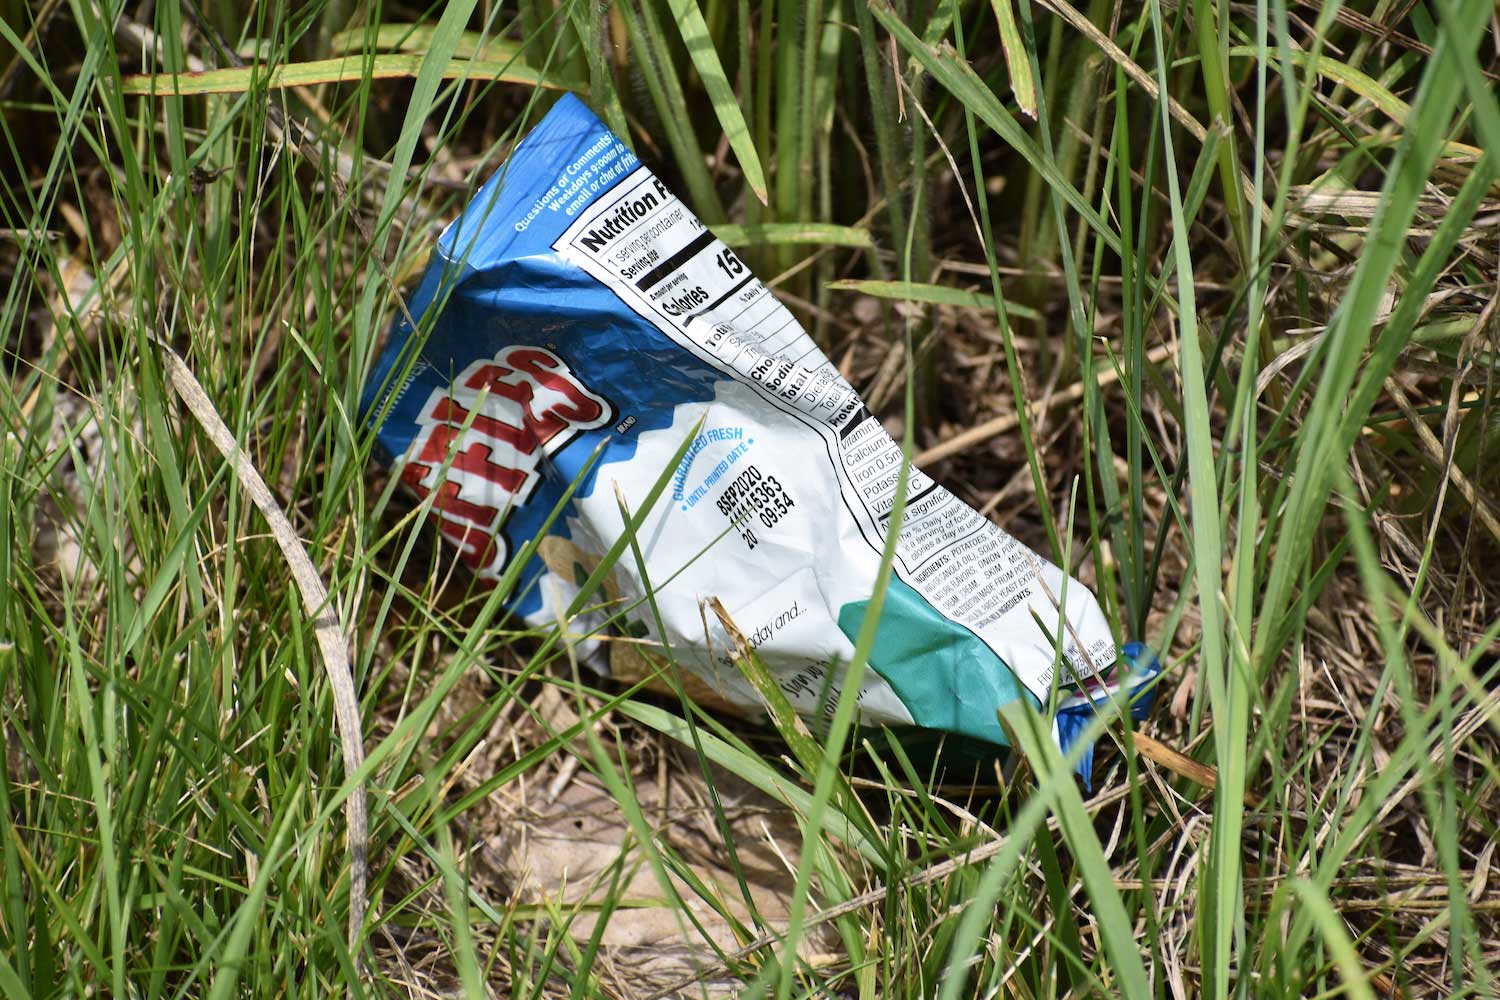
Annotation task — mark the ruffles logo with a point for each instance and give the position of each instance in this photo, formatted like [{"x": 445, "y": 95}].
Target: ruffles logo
[{"x": 498, "y": 419}]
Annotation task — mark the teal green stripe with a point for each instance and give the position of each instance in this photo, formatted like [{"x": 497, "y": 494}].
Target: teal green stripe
[{"x": 947, "y": 678}]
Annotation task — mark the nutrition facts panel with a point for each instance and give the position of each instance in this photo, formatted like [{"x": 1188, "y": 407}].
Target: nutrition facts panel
[{"x": 655, "y": 254}]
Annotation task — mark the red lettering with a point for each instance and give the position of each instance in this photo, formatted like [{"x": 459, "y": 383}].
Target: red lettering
[
  {"x": 476, "y": 546},
  {"x": 538, "y": 367},
  {"x": 544, "y": 368},
  {"x": 502, "y": 440},
  {"x": 448, "y": 412},
  {"x": 449, "y": 502},
  {"x": 412, "y": 474},
  {"x": 542, "y": 427},
  {"x": 475, "y": 542},
  {"x": 474, "y": 459}
]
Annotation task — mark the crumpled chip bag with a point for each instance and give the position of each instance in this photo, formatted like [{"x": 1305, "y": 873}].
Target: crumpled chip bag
[{"x": 579, "y": 307}]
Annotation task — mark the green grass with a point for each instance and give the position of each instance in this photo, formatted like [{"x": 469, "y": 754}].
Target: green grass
[{"x": 1276, "y": 468}]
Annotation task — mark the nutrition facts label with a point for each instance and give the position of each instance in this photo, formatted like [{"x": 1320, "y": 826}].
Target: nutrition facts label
[{"x": 644, "y": 244}]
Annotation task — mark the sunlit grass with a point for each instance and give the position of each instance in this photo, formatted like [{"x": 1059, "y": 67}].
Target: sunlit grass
[{"x": 1225, "y": 288}]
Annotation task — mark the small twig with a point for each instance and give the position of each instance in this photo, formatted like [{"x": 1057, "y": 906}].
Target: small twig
[
  {"x": 1175, "y": 761},
  {"x": 327, "y": 626},
  {"x": 896, "y": 72},
  {"x": 1182, "y": 765}
]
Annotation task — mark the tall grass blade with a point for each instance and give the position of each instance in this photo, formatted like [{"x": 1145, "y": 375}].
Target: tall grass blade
[
  {"x": 432, "y": 67},
  {"x": 1228, "y": 693},
  {"x": 385, "y": 66},
  {"x": 1113, "y": 925},
  {"x": 1210, "y": 22},
  {"x": 777, "y": 233},
  {"x": 1336, "y": 937},
  {"x": 670, "y": 103},
  {"x": 1017, "y": 58},
  {"x": 705, "y": 56},
  {"x": 918, "y": 291}
]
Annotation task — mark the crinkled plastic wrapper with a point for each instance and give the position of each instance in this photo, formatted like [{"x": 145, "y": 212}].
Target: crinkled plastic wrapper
[{"x": 579, "y": 307}]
